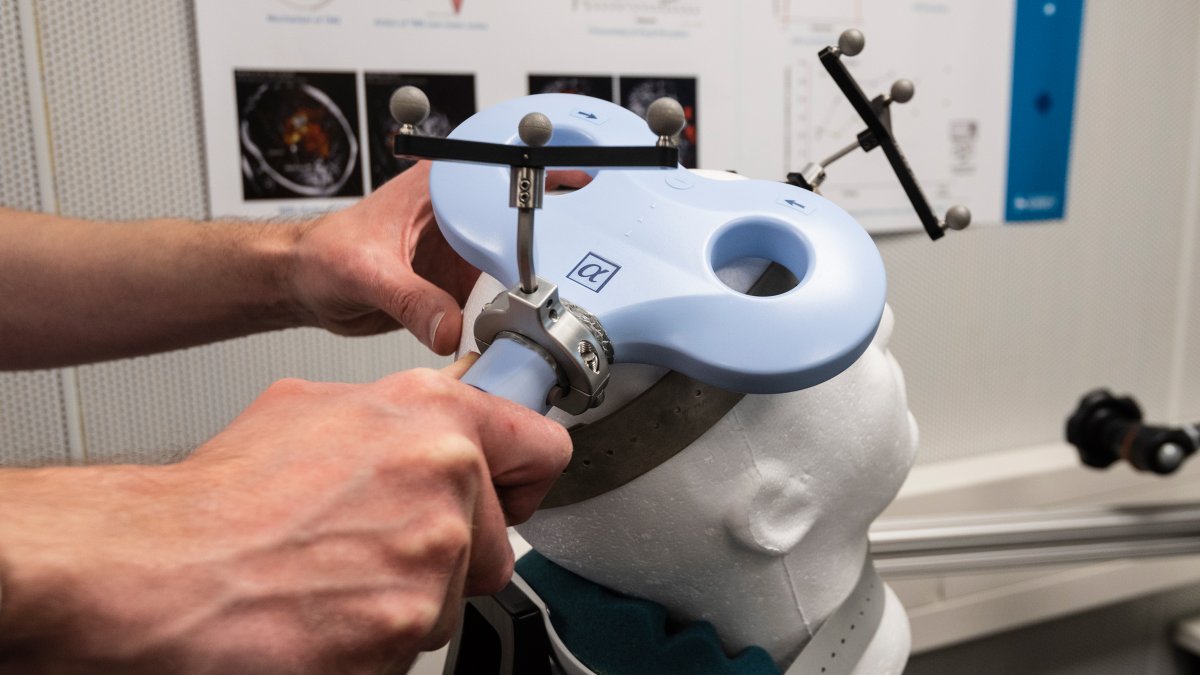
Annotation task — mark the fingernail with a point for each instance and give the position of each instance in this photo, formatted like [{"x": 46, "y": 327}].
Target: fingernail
[{"x": 437, "y": 321}]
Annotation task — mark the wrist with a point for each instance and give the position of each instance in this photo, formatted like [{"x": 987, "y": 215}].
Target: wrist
[
  {"x": 62, "y": 532},
  {"x": 277, "y": 250}
]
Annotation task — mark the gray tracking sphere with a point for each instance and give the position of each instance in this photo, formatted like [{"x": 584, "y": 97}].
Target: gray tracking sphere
[
  {"x": 665, "y": 117},
  {"x": 851, "y": 42},
  {"x": 903, "y": 91},
  {"x": 409, "y": 105},
  {"x": 958, "y": 217},
  {"x": 535, "y": 129}
]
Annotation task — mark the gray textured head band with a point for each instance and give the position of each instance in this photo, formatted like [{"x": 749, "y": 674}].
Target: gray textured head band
[{"x": 652, "y": 428}]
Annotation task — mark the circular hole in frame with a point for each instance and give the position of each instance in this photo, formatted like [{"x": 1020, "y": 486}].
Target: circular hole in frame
[
  {"x": 568, "y": 179},
  {"x": 743, "y": 250}
]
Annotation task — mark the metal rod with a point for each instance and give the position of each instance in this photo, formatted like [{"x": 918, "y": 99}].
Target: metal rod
[
  {"x": 525, "y": 250},
  {"x": 1022, "y": 538},
  {"x": 840, "y": 154},
  {"x": 964, "y": 562}
]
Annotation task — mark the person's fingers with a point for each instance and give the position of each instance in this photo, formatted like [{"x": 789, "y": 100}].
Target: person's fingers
[
  {"x": 428, "y": 312},
  {"x": 525, "y": 452},
  {"x": 523, "y": 465},
  {"x": 572, "y": 178},
  {"x": 448, "y": 620},
  {"x": 491, "y": 554},
  {"x": 461, "y": 366},
  {"x": 371, "y": 323}
]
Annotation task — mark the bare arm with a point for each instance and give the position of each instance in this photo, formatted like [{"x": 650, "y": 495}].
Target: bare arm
[
  {"x": 74, "y": 291},
  {"x": 330, "y": 528}
]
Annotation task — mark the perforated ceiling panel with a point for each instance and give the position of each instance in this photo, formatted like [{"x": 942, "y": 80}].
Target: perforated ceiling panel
[
  {"x": 32, "y": 427},
  {"x": 134, "y": 65},
  {"x": 1001, "y": 330}
]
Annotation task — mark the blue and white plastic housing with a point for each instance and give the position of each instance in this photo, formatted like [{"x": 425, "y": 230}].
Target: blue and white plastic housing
[{"x": 639, "y": 249}]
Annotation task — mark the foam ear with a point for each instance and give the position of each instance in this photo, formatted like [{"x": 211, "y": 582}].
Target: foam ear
[{"x": 775, "y": 512}]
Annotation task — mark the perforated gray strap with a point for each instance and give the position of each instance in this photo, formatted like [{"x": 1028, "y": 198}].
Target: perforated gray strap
[
  {"x": 639, "y": 436},
  {"x": 650, "y": 429},
  {"x": 838, "y": 645}
]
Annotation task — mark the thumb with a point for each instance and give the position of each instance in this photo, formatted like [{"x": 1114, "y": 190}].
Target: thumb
[{"x": 428, "y": 312}]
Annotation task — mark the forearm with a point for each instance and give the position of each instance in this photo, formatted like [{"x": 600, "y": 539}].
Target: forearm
[
  {"x": 74, "y": 291},
  {"x": 45, "y": 517}
]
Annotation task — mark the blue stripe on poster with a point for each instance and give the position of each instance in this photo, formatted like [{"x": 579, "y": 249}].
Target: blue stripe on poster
[{"x": 1045, "y": 61}]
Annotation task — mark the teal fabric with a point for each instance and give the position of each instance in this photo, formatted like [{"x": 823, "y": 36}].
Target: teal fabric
[{"x": 615, "y": 634}]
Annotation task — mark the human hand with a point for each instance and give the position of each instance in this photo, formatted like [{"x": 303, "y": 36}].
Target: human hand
[
  {"x": 383, "y": 264},
  {"x": 331, "y": 528}
]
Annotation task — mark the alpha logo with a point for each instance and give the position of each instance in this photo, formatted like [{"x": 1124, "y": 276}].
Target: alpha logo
[{"x": 593, "y": 272}]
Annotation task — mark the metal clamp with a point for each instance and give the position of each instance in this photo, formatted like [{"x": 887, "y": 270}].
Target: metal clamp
[{"x": 575, "y": 340}]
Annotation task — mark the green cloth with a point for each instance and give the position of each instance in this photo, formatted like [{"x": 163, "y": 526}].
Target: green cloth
[{"x": 615, "y": 634}]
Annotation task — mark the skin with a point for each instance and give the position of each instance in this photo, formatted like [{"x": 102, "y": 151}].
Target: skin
[
  {"x": 331, "y": 528},
  {"x": 76, "y": 291}
]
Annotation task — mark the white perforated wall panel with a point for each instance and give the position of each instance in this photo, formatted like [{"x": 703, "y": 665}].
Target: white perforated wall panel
[
  {"x": 1001, "y": 330},
  {"x": 32, "y": 426},
  {"x": 158, "y": 408},
  {"x": 120, "y": 82},
  {"x": 18, "y": 168},
  {"x": 32, "y": 422},
  {"x": 134, "y": 63}
]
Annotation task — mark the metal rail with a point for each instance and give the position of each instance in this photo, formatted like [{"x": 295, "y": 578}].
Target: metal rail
[{"x": 968, "y": 543}]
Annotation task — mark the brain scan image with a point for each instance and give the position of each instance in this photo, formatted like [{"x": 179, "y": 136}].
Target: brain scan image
[
  {"x": 598, "y": 86},
  {"x": 451, "y": 99},
  {"x": 299, "y": 135},
  {"x": 637, "y": 93}
]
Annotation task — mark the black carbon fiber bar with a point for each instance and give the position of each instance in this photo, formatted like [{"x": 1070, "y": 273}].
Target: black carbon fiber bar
[
  {"x": 831, "y": 59},
  {"x": 476, "y": 152}
]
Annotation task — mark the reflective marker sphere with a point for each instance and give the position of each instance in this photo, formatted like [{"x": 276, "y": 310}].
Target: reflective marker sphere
[
  {"x": 665, "y": 117},
  {"x": 535, "y": 129},
  {"x": 851, "y": 42},
  {"x": 409, "y": 105}
]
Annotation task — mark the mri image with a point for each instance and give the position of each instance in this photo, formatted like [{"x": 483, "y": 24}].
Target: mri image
[
  {"x": 598, "y": 86},
  {"x": 637, "y": 93},
  {"x": 298, "y": 134},
  {"x": 451, "y": 100}
]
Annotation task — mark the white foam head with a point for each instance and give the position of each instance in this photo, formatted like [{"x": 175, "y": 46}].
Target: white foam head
[{"x": 759, "y": 527}]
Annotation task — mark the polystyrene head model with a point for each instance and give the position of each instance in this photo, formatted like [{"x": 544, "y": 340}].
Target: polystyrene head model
[{"x": 760, "y": 526}]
